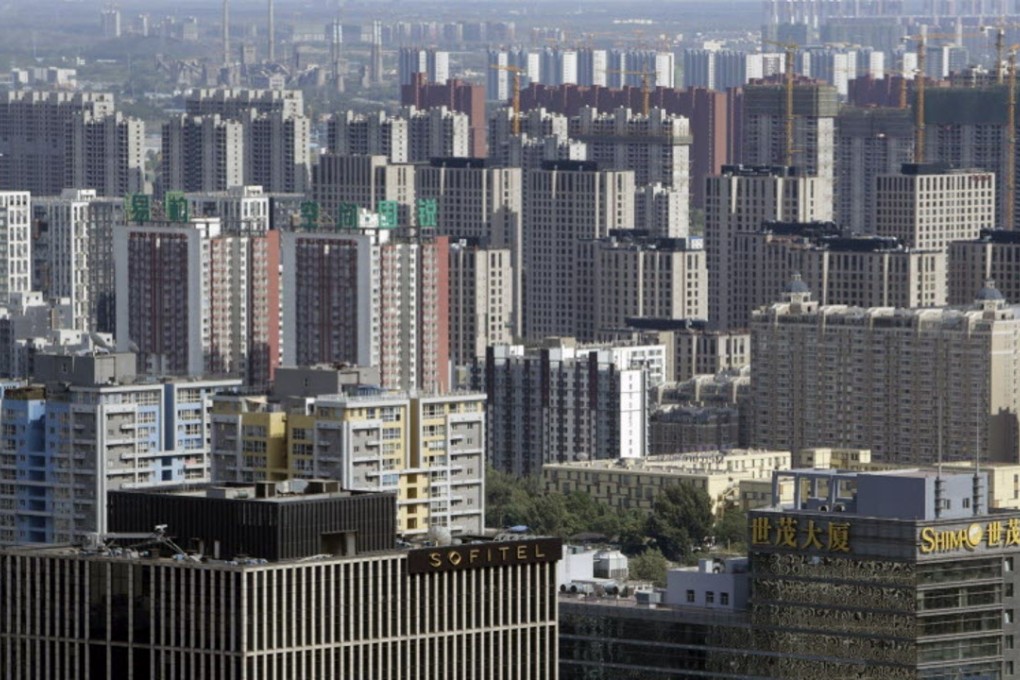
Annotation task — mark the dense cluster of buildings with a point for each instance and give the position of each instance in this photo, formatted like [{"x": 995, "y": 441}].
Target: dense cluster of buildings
[{"x": 250, "y": 393}]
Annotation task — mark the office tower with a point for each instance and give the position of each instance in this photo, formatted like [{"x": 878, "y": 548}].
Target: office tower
[
  {"x": 992, "y": 256},
  {"x": 183, "y": 297},
  {"x": 373, "y": 134},
  {"x": 764, "y": 127},
  {"x": 202, "y": 153},
  {"x": 565, "y": 203},
  {"x": 929, "y": 206},
  {"x": 739, "y": 200},
  {"x": 244, "y": 216},
  {"x": 565, "y": 402},
  {"x": 869, "y": 142},
  {"x": 317, "y": 562},
  {"x": 435, "y": 64},
  {"x": 52, "y": 139},
  {"x": 107, "y": 154},
  {"x": 85, "y": 426},
  {"x": 481, "y": 306},
  {"x": 455, "y": 95},
  {"x": 911, "y": 385},
  {"x": 630, "y": 276},
  {"x": 862, "y": 271},
  {"x": 481, "y": 204},
  {"x": 363, "y": 181},
  {"x": 375, "y": 71},
  {"x": 15, "y": 239},
  {"x": 369, "y": 296}
]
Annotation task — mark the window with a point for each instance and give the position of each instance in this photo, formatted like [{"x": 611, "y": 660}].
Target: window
[
  {"x": 724, "y": 598},
  {"x": 1007, "y": 616},
  {"x": 1007, "y": 564},
  {"x": 690, "y": 596},
  {"x": 709, "y": 597}
]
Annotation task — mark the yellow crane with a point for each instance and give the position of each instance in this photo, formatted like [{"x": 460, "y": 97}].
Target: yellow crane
[
  {"x": 516, "y": 101},
  {"x": 920, "y": 78},
  {"x": 791, "y": 54},
  {"x": 646, "y": 98},
  {"x": 1010, "y": 183}
]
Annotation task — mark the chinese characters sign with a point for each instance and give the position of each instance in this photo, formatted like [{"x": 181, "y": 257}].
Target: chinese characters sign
[
  {"x": 800, "y": 534},
  {"x": 176, "y": 206},
  {"x": 428, "y": 213},
  {"x": 138, "y": 208}
]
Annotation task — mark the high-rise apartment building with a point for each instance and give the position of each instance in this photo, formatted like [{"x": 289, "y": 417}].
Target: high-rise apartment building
[
  {"x": 565, "y": 203},
  {"x": 371, "y": 297},
  {"x": 993, "y": 256},
  {"x": 368, "y": 134},
  {"x": 428, "y": 450},
  {"x": 478, "y": 203},
  {"x": 455, "y": 95},
  {"x": 55, "y": 140},
  {"x": 254, "y": 312},
  {"x": 565, "y": 402},
  {"x": 202, "y": 153},
  {"x": 864, "y": 271},
  {"x": 631, "y": 276},
  {"x": 362, "y": 181},
  {"x": 815, "y": 107},
  {"x": 276, "y": 136},
  {"x": 107, "y": 154},
  {"x": 15, "y": 240},
  {"x": 69, "y": 233},
  {"x": 435, "y": 64},
  {"x": 913, "y": 386},
  {"x": 188, "y": 299},
  {"x": 481, "y": 299},
  {"x": 738, "y": 201},
  {"x": 929, "y": 206},
  {"x": 88, "y": 427},
  {"x": 869, "y": 142}
]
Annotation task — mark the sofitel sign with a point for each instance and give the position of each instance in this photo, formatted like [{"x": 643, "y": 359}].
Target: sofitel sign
[{"x": 478, "y": 555}]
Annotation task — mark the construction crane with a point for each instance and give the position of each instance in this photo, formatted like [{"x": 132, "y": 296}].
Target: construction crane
[
  {"x": 791, "y": 54},
  {"x": 646, "y": 97},
  {"x": 1010, "y": 183},
  {"x": 922, "y": 51},
  {"x": 516, "y": 71}
]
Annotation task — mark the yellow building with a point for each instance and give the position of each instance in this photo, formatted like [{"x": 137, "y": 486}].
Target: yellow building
[
  {"x": 634, "y": 483},
  {"x": 430, "y": 451}
]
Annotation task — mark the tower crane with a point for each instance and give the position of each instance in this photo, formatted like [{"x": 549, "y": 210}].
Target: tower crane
[
  {"x": 516, "y": 71},
  {"x": 791, "y": 52},
  {"x": 920, "y": 78},
  {"x": 646, "y": 98}
]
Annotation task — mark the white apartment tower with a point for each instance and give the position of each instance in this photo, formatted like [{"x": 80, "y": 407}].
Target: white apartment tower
[{"x": 15, "y": 243}]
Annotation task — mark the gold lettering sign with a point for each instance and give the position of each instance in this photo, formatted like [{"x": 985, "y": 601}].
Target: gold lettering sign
[
  {"x": 479, "y": 555},
  {"x": 793, "y": 532},
  {"x": 993, "y": 534}
]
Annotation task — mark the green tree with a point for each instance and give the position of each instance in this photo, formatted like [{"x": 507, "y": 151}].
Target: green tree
[
  {"x": 731, "y": 529},
  {"x": 651, "y": 565},
  {"x": 681, "y": 517}
]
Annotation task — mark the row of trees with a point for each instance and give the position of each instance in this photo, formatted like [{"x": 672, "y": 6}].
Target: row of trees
[{"x": 679, "y": 522}]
